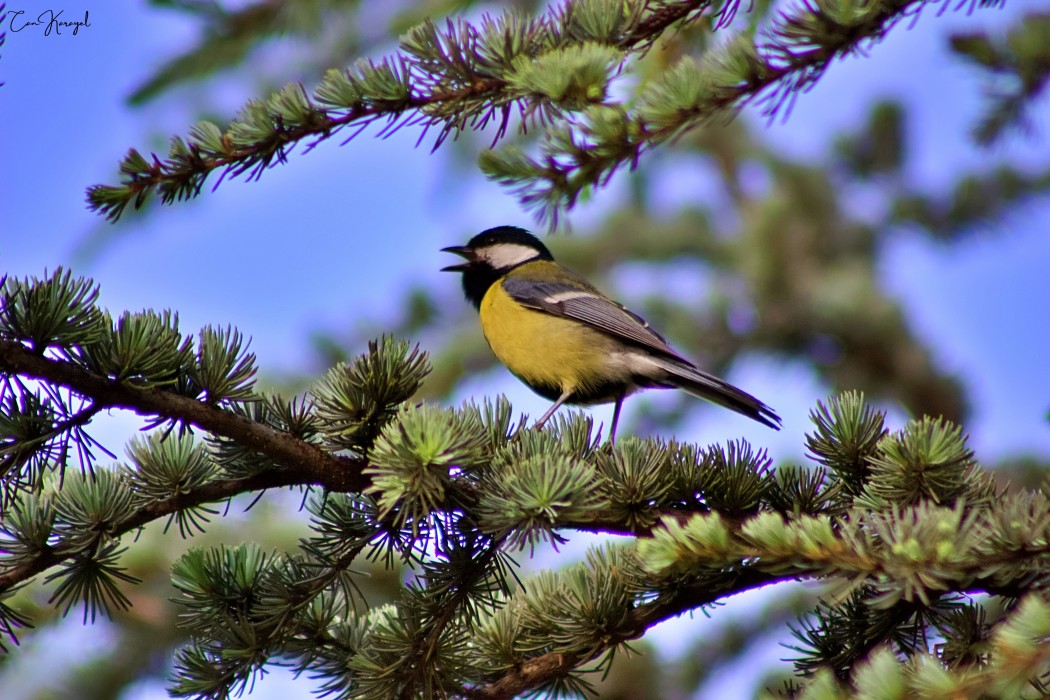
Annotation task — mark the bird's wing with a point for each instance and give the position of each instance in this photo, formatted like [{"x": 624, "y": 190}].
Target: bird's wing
[{"x": 590, "y": 308}]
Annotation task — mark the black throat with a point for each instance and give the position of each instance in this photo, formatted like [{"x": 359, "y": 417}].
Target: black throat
[{"x": 476, "y": 281}]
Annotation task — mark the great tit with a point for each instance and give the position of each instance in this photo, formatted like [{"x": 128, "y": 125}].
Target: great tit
[{"x": 566, "y": 340}]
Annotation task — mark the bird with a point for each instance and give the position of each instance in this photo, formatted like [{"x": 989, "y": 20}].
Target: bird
[{"x": 566, "y": 340}]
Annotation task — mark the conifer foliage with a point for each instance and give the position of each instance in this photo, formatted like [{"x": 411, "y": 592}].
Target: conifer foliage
[
  {"x": 935, "y": 578},
  {"x": 556, "y": 70}
]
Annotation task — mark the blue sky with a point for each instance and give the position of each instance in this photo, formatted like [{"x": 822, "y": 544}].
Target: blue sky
[{"x": 346, "y": 228}]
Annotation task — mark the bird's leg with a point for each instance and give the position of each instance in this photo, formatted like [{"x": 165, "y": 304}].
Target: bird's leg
[
  {"x": 550, "y": 411},
  {"x": 615, "y": 420}
]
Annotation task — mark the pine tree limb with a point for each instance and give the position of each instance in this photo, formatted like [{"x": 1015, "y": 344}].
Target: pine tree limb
[
  {"x": 450, "y": 81},
  {"x": 182, "y": 176},
  {"x": 548, "y": 667},
  {"x": 12, "y": 576},
  {"x": 307, "y": 464}
]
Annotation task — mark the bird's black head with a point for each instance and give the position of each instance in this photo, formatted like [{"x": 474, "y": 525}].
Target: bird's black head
[{"x": 491, "y": 254}]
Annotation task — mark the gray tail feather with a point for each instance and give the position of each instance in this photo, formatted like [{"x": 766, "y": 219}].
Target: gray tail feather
[{"x": 706, "y": 386}]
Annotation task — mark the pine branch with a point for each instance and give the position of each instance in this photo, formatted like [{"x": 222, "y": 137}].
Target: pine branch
[
  {"x": 798, "y": 49},
  {"x": 412, "y": 83},
  {"x": 1015, "y": 663},
  {"x": 282, "y": 605},
  {"x": 839, "y": 636},
  {"x": 911, "y": 554},
  {"x": 13, "y": 575},
  {"x": 426, "y": 646},
  {"x": 16, "y": 455},
  {"x": 1017, "y": 71},
  {"x": 301, "y": 463},
  {"x": 977, "y": 203},
  {"x": 543, "y": 669},
  {"x": 548, "y": 69},
  {"x": 309, "y": 463},
  {"x": 230, "y": 35}
]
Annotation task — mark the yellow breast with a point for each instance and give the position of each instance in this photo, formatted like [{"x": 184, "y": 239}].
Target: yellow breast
[{"x": 550, "y": 354}]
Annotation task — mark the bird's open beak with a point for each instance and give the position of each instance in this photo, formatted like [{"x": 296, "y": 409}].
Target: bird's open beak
[{"x": 463, "y": 251}]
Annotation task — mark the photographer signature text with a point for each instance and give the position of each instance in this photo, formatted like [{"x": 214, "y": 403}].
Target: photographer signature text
[{"x": 52, "y": 22}]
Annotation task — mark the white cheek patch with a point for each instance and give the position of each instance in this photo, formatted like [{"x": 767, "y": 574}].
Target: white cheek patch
[{"x": 503, "y": 255}]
